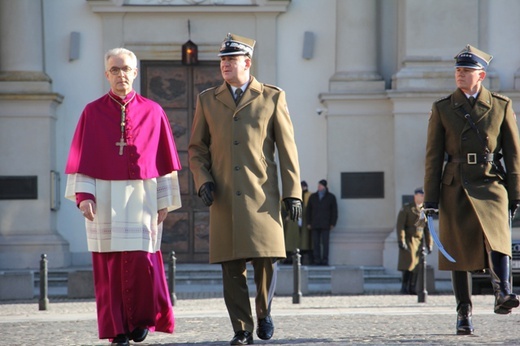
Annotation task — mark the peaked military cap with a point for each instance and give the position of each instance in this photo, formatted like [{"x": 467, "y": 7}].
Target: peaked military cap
[
  {"x": 418, "y": 190},
  {"x": 237, "y": 45},
  {"x": 471, "y": 57}
]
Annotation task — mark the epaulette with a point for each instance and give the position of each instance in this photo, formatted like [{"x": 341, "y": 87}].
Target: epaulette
[
  {"x": 208, "y": 89},
  {"x": 443, "y": 98},
  {"x": 500, "y": 96},
  {"x": 273, "y": 86}
]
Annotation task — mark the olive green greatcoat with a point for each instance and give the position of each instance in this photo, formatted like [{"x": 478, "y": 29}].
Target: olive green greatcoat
[
  {"x": 473, "y": 198},
  {"x": 411, "y": 231},
  {"x": 292, "y": 233},
  {"x": 234, "y": 147},
  {"x": 297, "y": 235}
]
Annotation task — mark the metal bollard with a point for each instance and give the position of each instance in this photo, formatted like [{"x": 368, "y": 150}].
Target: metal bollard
[
  {"x": 422, "y": 294},
  {"x": 171, "y": 277},
  {"x": 44, "y": 300},
  {"x": 297, "y": 294}
]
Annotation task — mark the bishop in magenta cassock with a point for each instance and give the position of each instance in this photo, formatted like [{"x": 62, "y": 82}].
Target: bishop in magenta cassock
[{"x": 122, "y": 174}]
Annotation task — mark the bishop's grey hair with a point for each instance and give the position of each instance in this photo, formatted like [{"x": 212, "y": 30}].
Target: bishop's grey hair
[{"x": 117, "y": 52}]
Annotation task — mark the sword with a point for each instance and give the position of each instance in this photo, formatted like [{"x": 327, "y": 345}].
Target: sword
[{"x": 436, "y": 240}]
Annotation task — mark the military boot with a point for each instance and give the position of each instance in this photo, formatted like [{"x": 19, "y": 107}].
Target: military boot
[
  {"x": 405, "y": 282},
  {"x": 505, "y": 300},
  {"x": 413, "y": 282},
  {"x": 462, "y": 288}
]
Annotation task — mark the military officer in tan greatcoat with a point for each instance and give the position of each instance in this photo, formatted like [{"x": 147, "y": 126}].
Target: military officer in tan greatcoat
[
  {"x": 473, "y": 193},
  {"x": 236, "y": 129},
  {"x": 410, "y": 233}
]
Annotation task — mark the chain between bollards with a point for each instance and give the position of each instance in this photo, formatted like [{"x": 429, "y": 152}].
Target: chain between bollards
[
  {"x": 423, "y": 293},
  {"x": 171, "y": 277},
  {"x": 44, "y": 300},
  {"x": 297, "y": 293}
]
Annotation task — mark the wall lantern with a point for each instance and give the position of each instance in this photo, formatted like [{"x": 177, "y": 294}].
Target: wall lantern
[{"x": 190, "y": 53}]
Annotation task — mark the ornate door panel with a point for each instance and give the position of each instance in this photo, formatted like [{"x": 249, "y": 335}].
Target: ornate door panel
[{"x": 175, "y": 87}]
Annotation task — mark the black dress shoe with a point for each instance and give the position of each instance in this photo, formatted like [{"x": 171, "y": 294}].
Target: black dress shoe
[
  {"x": 139, "y": 334},
  {"x": 265, "y": 329},
  {"x": 120, "y": 340},
  {"x": 242, "y": 337}
]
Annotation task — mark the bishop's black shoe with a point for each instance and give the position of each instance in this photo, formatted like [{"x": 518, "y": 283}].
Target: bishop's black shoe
[
  {"x": 120, "y": 340},
  {"x": 242, "y": 337},
  {"x": 139, "y": 334},
  {"x": 265, "y": 328}
]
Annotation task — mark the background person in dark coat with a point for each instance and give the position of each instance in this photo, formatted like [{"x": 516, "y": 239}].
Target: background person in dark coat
[{"x": 322, "y": 215}]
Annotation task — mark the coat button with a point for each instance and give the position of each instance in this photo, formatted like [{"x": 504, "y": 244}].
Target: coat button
[
  {"x": 464, "y": 138},
  {"x": 236, "y": 142},
  {"x": 237, "y": 168},
  {"x": 236, "y": 118},
  {"x": 238, "y": 193}
]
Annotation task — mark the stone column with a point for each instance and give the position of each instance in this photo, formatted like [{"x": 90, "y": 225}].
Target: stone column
[
  {"x": 356, "y": 44},
  {"x": 359, "y": 120},
  {"x": 27, "y": 143}
]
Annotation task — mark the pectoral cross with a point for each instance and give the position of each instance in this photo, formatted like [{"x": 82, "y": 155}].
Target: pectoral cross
[{"x": 121, "y": 144}]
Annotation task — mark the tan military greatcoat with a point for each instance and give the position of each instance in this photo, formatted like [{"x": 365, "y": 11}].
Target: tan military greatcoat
[
  {"x": 234, "y": 147},
  {"x": 473, "y": 198},
  {"x": 411, "y": 232}
]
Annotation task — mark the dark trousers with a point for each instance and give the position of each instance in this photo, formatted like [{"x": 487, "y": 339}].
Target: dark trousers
[
  {"x": 236, "y": 291},
  {"x": 320, "y": 237}
]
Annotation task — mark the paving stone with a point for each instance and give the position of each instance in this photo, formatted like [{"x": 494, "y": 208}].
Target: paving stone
[{"x": 317, "y": 320}]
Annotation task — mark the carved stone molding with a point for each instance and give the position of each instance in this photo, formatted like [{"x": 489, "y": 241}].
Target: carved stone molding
[{"x": 188, "y": 5}]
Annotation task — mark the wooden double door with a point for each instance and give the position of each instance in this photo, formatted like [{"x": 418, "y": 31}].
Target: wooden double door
[{"x": 175, "y": 87}]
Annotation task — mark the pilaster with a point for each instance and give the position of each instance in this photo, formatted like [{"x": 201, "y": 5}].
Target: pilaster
[{"x": 28, "y": 224}]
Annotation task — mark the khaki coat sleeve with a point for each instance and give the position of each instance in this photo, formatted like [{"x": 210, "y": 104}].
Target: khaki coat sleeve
[
  {"x": 287, "y": 152},
  {"x": 400, "y": 226},
  {"x": 198, "y": 149},
  {"x": 434, "y": 157},
  {"x": 510, "y": 149}
]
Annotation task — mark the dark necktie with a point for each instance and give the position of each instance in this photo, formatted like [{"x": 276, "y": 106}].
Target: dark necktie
[
  {"x": 472, "y": 101},
  {"x": 238, "y": 94}
]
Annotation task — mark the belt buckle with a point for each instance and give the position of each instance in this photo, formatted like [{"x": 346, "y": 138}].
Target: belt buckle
[{"x": 472, "y": 158}]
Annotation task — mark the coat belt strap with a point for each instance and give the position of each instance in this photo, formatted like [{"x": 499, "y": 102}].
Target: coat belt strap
[{"x": 472, "y": 158}]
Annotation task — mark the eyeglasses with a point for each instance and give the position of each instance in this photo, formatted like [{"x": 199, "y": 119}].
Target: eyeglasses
[{"x": 117, "y": 70}]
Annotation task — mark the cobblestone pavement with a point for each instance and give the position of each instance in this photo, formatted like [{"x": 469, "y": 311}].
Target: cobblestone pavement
[{"x": 318, "y": 320}]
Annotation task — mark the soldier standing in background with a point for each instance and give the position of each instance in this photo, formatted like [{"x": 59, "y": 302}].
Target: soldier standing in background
[{"x": 410, "y": 233}]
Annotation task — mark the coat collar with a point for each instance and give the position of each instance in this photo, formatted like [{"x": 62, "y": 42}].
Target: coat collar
[
  {"x": 482, "y": 106},
  {"x": 253, "y": 90}
]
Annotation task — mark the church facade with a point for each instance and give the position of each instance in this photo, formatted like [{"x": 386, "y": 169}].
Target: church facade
[{"x": 360, "y": 78}]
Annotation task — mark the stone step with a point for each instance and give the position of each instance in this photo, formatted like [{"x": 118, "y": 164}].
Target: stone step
[
  {"x": 208, "y": 278},
  {"x": 211, "y": 275}
]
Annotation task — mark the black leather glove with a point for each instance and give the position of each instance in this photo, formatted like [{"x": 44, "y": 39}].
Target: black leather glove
[
  {"x": 206, "y": 193},
  {"x": 293, "y": 207},
  {"x": 431, "y": 208},
  {"x": 402, "y": 245},
  {"x": 513, "y": 206}
]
